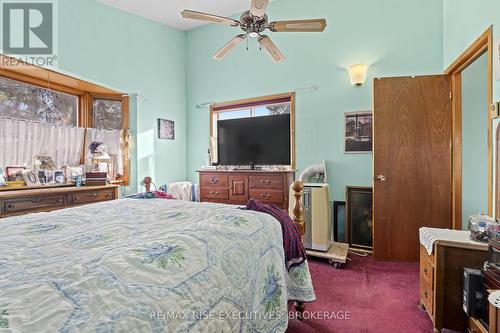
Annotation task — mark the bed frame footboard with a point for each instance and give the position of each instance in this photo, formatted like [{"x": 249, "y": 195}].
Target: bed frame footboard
[{"x": 298, "y": 219}]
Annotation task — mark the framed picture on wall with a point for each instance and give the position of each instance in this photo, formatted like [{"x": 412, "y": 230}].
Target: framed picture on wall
[
  {"x": 166, "y": 129},
  {"x": 358, "y": 132}
]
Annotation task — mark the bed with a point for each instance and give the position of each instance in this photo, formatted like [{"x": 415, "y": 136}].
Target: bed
[{"x": 147, "y": 266}]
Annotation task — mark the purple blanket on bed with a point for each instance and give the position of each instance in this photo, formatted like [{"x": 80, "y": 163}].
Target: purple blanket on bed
[{"x": 295, "y": 254}]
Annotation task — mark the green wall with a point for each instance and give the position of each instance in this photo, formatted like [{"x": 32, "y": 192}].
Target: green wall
[
  {"x": 463, "y": 22},
  {"x": 396, "y": 37},
  {"x": 474, "y": 139},
  {"x": 136, "y": 56}
]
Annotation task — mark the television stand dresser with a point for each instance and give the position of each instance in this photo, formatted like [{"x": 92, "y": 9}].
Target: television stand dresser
[
  {"x": 20, "y": 202},
  {"x": 238, "y": 186}
]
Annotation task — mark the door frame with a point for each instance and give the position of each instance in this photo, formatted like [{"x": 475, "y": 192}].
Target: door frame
[{"x": 482, "y": 45}]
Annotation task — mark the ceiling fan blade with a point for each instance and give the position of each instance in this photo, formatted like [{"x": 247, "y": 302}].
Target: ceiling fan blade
[
  {"x": 229, "y": 46},
  {"x": 259, "y": 7},
  {"x": 273, "y": 50},
  {"x": 316, "y": 25},
  {"x": 191, "y": 14}
]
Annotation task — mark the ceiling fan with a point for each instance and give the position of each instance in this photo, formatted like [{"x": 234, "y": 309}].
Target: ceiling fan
[{"x": 254, "y": 22}]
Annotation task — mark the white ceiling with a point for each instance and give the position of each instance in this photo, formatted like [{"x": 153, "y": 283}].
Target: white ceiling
[{"x": 168, "y": 12}]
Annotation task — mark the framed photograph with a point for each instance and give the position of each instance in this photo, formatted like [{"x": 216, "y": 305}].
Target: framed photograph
[
  {"x": 14, "y": 173},
  {"x": 59, "y": 176},
  {"x": 166, "y": 129},
  {"x": 43, "y": 162},
  {"x": 73, "y": 171},
  {"x": 359, "y": 132},
  {"x": 42, "y": 177},
  {"x": 31, "y": 178},
  {"x": 49, "y": 177}
]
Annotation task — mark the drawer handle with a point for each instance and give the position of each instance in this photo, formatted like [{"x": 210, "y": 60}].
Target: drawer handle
[
  {"x": 425, "y": 294},
  {"x": 36, "y": 200},
  {"x": 425, "y": 271},
  {"x": 265, "y": 195},
  {"x": 11, "y": 206},
  {"x": 94, "y": 194},
  {"x": 214, "y": 193},
  {"x": 214, "y": 180},
  {"x": 60, "y": 201},
  {"x": 266, "y": 181}
]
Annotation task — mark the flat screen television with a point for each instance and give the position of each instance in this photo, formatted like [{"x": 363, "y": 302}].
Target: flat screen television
[{"x": 254, "y": 141}]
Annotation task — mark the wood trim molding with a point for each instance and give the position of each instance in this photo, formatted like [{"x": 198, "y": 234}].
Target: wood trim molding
[
  {"x": 290, "y": 96},
  {"x": 474, "y": 51},
  {"x": 19, "y": 70},
  {"x": 254, "y": 100},
  {"x": 482, "y": 45}
]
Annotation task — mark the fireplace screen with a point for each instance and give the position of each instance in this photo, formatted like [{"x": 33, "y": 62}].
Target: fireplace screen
[{"x": 360, "y": 217}]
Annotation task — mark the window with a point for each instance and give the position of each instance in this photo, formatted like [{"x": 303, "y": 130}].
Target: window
[
  {"x": 25, "y": 101},
  {"x": 260, "y": 111},
  {"x": 253, "y": 107},
  {"x": 34, "y": 99},
  {"x": 108, "y": 114}
]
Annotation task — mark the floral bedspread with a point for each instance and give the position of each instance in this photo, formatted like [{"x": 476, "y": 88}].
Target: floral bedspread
[{"x": 146, "y": 266}]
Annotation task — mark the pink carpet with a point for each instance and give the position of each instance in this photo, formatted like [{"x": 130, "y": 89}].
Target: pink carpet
[{"x": 370, "y": 297}]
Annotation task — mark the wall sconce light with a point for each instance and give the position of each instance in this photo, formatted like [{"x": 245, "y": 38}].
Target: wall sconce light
[{"x": 357, "y": 73}]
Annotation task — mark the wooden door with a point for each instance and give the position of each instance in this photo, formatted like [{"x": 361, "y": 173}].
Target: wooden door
[
  {"x": 238, "y": 192},
  {"x": 412, "y": 162}
]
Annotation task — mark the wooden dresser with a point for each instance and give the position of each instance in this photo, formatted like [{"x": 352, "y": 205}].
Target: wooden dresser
[
  {"x": 19, "y": 202},
  {"x": 441, "y": 281},
  {"x": 237, "y": 187}
]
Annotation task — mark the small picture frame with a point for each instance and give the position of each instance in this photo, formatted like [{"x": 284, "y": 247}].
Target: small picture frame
[
  {"x": 166, "y": 129},
  {"x": 74, "y": 171},
  {"x": 31, "y": 178},
  {"x": 49, "y": 177},
  {"x": 59, "y": 176},
  {"x": 43, "y": 162},
  {"x": 42, "y": 178},
  {"x": 359, "y": 132},
  {"x": 14, "y": 173}
]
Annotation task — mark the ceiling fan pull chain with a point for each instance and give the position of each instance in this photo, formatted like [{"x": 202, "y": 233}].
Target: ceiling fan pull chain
[{"x": 247, "y": 44}]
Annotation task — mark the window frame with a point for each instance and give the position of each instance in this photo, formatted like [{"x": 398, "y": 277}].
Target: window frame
[
  {"x": 250, "y": 103},
  {"x": 85, "y": 91}
]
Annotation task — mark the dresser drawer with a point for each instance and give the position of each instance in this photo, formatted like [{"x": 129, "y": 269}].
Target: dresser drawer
[
  {"x": 214, "y": 193},
  {"x": 426, "y": 295},
  {"x": 214, "y": 179},
  {"x": 265, "y": 182},
  {"x": 269, "y": 196},
  {"x": 427, "y": 271},
  {"x": 426, "y": 256},
  {"x": 33, "y": 203},
  {"x": 91, "y": 196}
]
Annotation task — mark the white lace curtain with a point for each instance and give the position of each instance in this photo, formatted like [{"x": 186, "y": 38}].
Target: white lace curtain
[
  {"x": 113, "y": 139},
  {"x": 21, "y": 140}
]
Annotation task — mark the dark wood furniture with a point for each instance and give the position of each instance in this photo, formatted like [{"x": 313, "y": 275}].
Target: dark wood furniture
[
  {"x": 441, "y": 281},
  {"x": 19, "y": 202},
  {"x": 412, "y": 163},
  {"x": 237, "y": 187}
]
